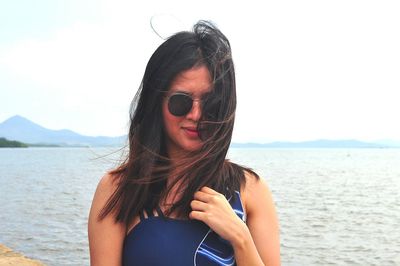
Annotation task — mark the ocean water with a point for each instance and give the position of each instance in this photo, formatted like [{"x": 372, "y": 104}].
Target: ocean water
[{"x": 335, "y": 206}]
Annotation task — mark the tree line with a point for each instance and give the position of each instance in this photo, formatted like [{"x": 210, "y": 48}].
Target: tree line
[{"x": 11, "y": 143}]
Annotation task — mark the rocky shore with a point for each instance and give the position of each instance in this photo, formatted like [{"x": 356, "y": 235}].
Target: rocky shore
[{"x": 10, "y": 258}]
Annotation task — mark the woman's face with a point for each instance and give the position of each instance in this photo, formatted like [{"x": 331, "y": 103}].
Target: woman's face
[{"x": 181, "y": 131}]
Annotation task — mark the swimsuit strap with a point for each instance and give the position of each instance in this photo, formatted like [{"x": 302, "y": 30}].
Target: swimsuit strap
[
  {"x": 159, "y": 211},
  {"x": 149, "y": 213},
  {"x": 141, "y": 214}
]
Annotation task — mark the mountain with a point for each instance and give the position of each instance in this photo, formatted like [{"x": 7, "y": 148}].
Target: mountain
[
  {"x": 388, "y": 142},
  {"x": 313, "y": 144},
  {"x": 21, "y": 129}
]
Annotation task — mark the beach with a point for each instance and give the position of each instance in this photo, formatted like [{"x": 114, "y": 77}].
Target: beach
[{"x": 9, "y": 257}]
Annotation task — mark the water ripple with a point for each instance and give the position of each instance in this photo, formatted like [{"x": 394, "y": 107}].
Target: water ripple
[{"x": 335, "y": 206}]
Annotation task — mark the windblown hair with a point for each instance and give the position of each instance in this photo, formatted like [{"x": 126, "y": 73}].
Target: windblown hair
[{"x": 142, "y": 177}]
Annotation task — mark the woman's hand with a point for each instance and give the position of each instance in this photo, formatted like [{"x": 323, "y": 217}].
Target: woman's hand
[{"x": 213, "y": 209}]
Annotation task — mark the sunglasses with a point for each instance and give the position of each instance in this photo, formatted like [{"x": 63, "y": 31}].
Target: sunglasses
[{"x": 180, "y": 103}]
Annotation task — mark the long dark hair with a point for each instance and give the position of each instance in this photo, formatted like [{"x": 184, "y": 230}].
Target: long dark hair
[{"x": 142, "y": 177}]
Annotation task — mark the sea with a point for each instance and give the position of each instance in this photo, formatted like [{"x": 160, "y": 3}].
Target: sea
[{"x": 335, "y": 206}]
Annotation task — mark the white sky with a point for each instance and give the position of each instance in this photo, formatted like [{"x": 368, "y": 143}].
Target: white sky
[{"x": 305, "y": 69}]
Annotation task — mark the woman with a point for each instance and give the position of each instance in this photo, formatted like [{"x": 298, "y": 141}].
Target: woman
[{"x": 176, "y": 200}]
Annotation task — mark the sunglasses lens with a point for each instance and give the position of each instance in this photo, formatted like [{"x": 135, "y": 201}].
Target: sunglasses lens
[
  {"x": 210, "y": 107},
  {"x": 180, "y": 104}
]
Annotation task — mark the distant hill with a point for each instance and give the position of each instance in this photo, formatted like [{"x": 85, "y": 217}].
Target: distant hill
[
  {"x": 21, "y": 129},
  {"x": 388, "y": 142},
  {"x": 5, "y": 143},
  {"x": 313, "y": 144}
]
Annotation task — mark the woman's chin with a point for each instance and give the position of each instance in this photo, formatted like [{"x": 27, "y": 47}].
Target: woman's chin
[{"x": 193, "y": 147}]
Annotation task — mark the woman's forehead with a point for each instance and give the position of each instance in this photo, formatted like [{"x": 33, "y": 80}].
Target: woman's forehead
[{"x": 194, "y": 81}]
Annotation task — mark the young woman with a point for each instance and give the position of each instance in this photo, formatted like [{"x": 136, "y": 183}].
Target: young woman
[{"x": 177, "y": 200}]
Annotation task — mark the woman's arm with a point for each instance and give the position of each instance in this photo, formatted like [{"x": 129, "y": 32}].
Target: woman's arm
[
  {"x": 254, "y": 244},
  {"x": 106, "y": 237}
]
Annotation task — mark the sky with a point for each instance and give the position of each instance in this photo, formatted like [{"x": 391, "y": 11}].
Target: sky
[{"x": 305, "y": 69}]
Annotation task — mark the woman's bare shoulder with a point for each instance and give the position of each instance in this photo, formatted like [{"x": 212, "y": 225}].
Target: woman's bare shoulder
[
  {"x": 253, "y": 181},
  {"x": 105, "y": 235},
  {"x": 105, "y": 189},
  {"x": 254, "y": 191},
  {"x": 107, "y": 184}
]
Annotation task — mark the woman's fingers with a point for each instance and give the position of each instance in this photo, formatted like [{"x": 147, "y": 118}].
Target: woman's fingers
[
  {"x": 197, "y": 215},
  {"x": 197, "y": 205},
  {"x": 202, "y": 196},
  {"x": 213, "y": 209},
  {"x": 206, "y": 194}
]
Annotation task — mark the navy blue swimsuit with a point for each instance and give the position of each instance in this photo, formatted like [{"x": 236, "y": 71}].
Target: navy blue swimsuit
[{"x": 159, "y": 240}]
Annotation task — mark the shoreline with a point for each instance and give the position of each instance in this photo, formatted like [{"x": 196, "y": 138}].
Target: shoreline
[{"x": 9, "y": 257}]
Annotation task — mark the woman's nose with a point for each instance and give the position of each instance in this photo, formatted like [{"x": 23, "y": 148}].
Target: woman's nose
[{"x": 195, "y": 112}]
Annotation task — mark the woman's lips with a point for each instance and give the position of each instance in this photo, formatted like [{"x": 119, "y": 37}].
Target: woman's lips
[{"x": 191, "y": 132}]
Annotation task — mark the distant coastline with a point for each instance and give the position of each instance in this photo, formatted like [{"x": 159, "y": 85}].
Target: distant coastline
[
  {"x": 5, "y": 143},
  {"x": 321, "y": 144},
  {"x": 34, "y": 135},
  {"x": 26, "y": 133}
]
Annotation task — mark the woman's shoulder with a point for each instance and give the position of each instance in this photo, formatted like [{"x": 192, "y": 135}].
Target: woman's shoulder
[
  {"x": 106, "y": 187},
  {"x": 108, "y": 182},
  {"x": 252, "y": 181},
  {"x": 254, "y": 192},
  {"x": 105, "y": 234}
]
